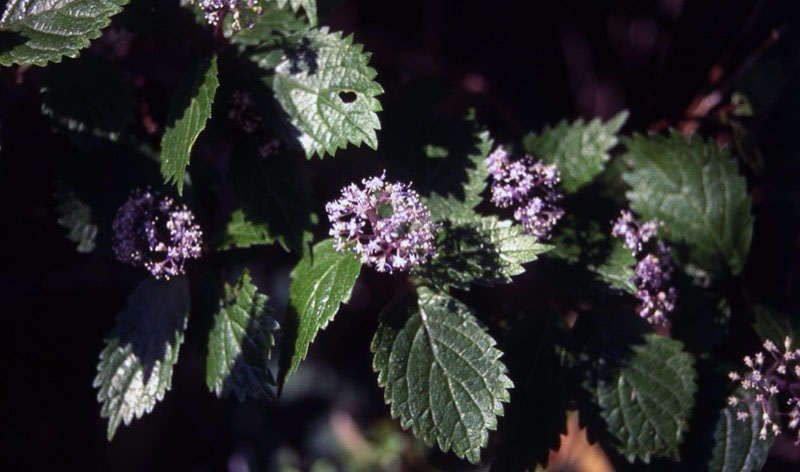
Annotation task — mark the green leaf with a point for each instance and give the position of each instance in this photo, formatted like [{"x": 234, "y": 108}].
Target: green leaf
[
  {"x": 275, "y": 194},
  {"x": 695, "y": 189},
  {"x": 441, "y": 372},
  {"x": 580, "y": 150},
  {"x": 449, "y": 205},
  {"x": 617, "y": 269},
  {"x": 40, "y": 31},
  {"x": 324, "y": 84},
  {"x": 646, "y": 401},
  {"x": 87, "y": 100},
  {"x": 319, "y": 284},
  {"x": 135, "y": 369},
  {"x": 481, "y": 250},
  {"x": 310, "y": 7},
  {"x": 241, "y": 232},
  {"x": 775, "y": 326},
  {"x": 267, "y": 29},
  {"x": 737, "y": 446},
  {"x": 239, "y": 343},
  {"x": 188, "y": 114},
  {"x": 76, "y": 216}
]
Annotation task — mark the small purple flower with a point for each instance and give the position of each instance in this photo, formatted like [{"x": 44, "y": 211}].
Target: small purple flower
[
  {"x": 384, "y": 223},
  {"x": 215, "y": 10},
  {"x": 634, "y": 233},
  {"x": 529, "y": 185},
  {"x": 653, "y": 268},
  {"x": 776, "y": 372},
  {"x": 152, "y": 231}
]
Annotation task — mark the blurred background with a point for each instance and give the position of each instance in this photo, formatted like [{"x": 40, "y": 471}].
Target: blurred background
[{"x": 704, "y": 66}]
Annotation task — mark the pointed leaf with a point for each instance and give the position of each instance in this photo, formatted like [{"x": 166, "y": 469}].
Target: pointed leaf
[
  {"x": 40, "y": 31},
  {"x": 441, "y": 372},
  {"x": 241, "y": 232},
  {"x": 319, "y": 284},
  {"x": 480, "y": 250},
  {"x": 324, "y": 84},
  {"x": 737, "y": 446},
  {"x": 135, "y": 369},
  {"x": 310, "y": 7},
  {"x": 76, "y": 216},
  {"x": 647, "y": 401},
  {"x": 239, "y": 343},
  {"x": 189, "y": 112},
  {"x": 617, "y": 270},
  {"x": 695, "y": 189},
  {"x": 580, "y": 150},
  {"x": 447, "y": 206}
]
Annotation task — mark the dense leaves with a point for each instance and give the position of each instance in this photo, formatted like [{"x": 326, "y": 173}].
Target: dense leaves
[
  {"x": 320, "y": 283},
  {"x": 479, "y": 250},
  {"x": 135, "y": 369},
  {"x": 440, "y": 370},
  {"x": 580, "y": 150},
  {"x": 695, "y": 189},
  {"x": 239, "y": 343},
  {"x": 189, "y": 112},
  {"x": 41, "y": 31}
]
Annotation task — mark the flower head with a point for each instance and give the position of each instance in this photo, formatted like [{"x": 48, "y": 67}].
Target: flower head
[
  {"x": 529, "y": 185},
  {"x": 153, "y": 231},
  {"x": 653, "y": 269},
  {"x": 215, "y": 10},
  {"x": 774, "y": 373},
  {"x": 384, "y": 223}
]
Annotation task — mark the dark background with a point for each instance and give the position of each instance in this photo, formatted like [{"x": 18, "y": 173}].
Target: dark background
[{"x": 521, "y": 65}]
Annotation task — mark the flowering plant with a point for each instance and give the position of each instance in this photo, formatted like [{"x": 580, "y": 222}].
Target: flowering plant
[{"x": 235, "y": 170}]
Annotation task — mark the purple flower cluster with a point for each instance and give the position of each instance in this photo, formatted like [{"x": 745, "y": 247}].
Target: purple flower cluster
[
  {"x": 153, "y": 231},
  {"x": 653, "y": 268},
  {"x": 530, "y": 186},
  {"x": 770, "y": 374},
  {"x": 384, "y": 223},
  {"x": 634, "y": 233},
  {"x": 215, "y": 10}
]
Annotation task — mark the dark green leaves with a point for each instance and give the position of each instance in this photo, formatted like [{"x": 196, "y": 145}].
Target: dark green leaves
[
  {"x": 41, "y": 31},
  {"x": 76, "y": 217},
  {"x": 239, "y": 343},
  {"x": 87, "y": 100},
  {"x": 320, "y": 283},
  {"x": 696, "y": 190},
  {"x": 647, "y": 401},
  {"x": 243, "y": 233},
  {"x": 737, "y": 446},
  {"x": 326, "y": 87},
  {"x": 441, "y": 372},
  {"x": 462, "y": 205},
  {"x": 189, "y": 112},
  {"x": 480, "y": 250},
  {"x": 275, "y": 194},
  {"x": 580, "y": 150},
  {"x": 135, "y": 368}
]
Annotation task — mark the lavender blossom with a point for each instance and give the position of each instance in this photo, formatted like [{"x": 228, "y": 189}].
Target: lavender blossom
[
  {"x": 529, "y": 185},
  {"x": 634, "y": 233},
  {"x": 653, "y": 268},
  {"x": 154, "y": 232},
  {"x": 384, "y": 223},
  {"x": 773, "y": 372},
  {"x": 215, "y": 10}
]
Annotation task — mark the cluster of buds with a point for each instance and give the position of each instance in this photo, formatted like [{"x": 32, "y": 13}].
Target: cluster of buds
[
  {"x": 776, "y": 372},
  {"x": 154, "y": 232},
  {"x": 653, "y": 268},
  {"x": 385, "y": 224},
  {"x": 215, "y": 10},
  {"x": 529, "y": 186}
]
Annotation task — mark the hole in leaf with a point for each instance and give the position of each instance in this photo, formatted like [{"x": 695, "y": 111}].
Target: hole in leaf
[{"x": 347, "y": 97}]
